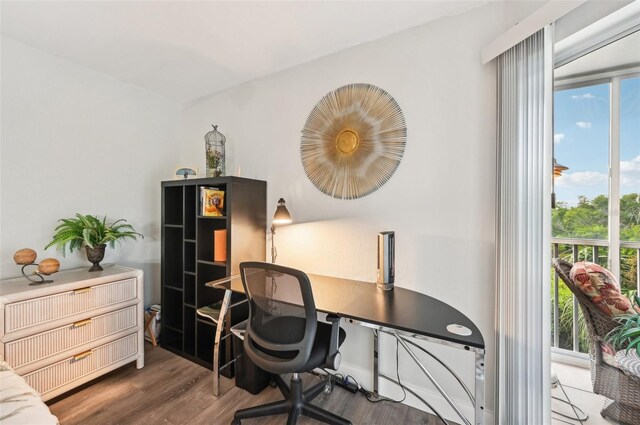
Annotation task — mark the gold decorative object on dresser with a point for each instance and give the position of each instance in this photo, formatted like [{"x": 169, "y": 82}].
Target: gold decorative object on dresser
[{"x": 64, "y": 334}]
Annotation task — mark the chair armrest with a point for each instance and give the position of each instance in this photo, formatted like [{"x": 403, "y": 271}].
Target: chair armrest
[{"x": 333, "y": 356}]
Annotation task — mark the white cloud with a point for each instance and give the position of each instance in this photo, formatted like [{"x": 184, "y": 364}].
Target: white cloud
[
  {"x": 557, "y": 138},
  {"x": 582, "y": 179},
  {"x": 587, "y": 96},
  {"x": 584, "y": 124},
  {"x": 632, "y": 166},
  {"x": 630, "y": 175}
]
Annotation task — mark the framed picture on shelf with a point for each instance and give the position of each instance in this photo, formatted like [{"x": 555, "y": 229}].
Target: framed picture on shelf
[
  {"x": 185, "y": 173},
  {"x": 211, "y": 202}
]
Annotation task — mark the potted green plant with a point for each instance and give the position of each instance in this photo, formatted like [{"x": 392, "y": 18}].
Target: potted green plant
[
  {"x": 92, "y": 233},
  {"x": 627, "y": 333}
]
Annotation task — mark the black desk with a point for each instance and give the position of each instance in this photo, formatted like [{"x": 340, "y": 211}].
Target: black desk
[{"x": 400, "y": 312}]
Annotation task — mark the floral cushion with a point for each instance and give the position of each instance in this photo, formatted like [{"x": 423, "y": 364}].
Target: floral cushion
[
  {"x": 629, "y": 362},
  {"x": 601, "y": 287},
  {"x": 608, "y": 354}
]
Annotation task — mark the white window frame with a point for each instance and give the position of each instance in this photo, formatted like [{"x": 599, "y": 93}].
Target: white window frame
[{"x": 613, "y": 78}]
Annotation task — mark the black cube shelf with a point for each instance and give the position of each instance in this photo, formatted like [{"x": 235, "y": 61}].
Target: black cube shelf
[{"x": 188, "y": 263}]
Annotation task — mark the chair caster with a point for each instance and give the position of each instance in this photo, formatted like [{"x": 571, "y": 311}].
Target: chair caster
[{"x": 272, "y": 384}]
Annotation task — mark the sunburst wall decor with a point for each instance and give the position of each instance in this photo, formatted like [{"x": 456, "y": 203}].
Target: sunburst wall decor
[{"x": 353, "y": 141}]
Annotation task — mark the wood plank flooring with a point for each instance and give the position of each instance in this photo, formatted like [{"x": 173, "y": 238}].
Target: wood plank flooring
[{"x": 173, "y": 390}]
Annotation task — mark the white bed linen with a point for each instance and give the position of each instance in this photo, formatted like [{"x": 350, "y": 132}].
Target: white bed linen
[{"x": 19, "y": 403}]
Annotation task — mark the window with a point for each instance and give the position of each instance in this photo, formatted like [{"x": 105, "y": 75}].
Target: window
[
  {"x": 597, "y": 214},
  {"x": 629, "y": 183},
  {"x": 581, "y": 142}
]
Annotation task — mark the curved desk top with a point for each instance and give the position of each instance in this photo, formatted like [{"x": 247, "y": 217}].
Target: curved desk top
[{"x": 400, "y": 308}]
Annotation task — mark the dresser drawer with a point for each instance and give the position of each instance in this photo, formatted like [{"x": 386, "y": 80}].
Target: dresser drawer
[
  {"x": 38, "y": 311},
  {"x": 59, "y": 374},
  {"x": 40, "y": 346}
]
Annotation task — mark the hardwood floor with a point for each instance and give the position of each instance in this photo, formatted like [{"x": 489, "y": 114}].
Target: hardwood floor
[{"x": 173, "y": 390}]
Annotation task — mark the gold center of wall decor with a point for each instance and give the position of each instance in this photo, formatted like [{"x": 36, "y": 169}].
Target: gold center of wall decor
[
  {"x": 353, "y": 141},
  {"x": 347, "y": 141}
]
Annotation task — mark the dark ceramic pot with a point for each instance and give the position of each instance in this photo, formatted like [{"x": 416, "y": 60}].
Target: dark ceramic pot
[{"x": 95, "y": 255}]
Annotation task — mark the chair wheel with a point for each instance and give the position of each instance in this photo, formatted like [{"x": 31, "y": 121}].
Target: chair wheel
[{"x": 272, "y": 384}]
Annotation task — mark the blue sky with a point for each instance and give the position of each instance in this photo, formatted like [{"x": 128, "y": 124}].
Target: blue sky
[{"x": 581, "y": 140}]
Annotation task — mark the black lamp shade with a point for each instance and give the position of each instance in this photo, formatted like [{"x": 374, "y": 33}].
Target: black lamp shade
[{"x": 282, "y": 215}]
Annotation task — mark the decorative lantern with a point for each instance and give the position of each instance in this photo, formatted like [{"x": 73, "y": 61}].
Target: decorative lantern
[{"x": 214, "y": 149}]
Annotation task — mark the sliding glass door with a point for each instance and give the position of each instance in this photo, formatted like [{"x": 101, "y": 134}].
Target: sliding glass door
[{"x": 597, "y": 214}]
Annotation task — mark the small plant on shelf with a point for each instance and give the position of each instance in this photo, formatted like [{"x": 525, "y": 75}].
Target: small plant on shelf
[{"x": 92, "y": 233}]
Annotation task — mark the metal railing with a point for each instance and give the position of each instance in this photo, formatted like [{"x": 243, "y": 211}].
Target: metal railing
[{"x": 595, "y": 247}]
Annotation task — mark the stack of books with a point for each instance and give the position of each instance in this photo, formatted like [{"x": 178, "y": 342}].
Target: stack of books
[{"x": 155, "y": 322}]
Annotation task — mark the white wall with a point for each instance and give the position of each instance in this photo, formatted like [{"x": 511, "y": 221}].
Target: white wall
[
  {"x": 440, "y": 202},
  {"x": 74, "y": 140}
]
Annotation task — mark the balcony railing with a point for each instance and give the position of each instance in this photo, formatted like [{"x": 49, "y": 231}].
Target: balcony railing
[{"x": 594, "y": 250}]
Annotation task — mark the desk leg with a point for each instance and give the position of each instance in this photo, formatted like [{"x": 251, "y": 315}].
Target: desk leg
[
  {"x": 433, "y": 380},
  {"x": 479, "y": 389},
  {"x": 376, "y": 364},
  {"x": 216, "y": 344}
]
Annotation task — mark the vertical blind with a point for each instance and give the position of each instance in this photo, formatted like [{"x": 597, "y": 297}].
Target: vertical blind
[{"x": 525, "y": 89}]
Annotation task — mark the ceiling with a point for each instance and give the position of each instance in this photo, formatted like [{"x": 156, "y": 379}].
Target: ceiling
[{"x": 185, "y": 50}]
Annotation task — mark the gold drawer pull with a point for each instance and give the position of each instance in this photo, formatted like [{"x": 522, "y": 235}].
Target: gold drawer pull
[
  {"x": 81, "y": 323},
  {"x": 82, "y": 355},
  {"x": 81, "y": 290}
]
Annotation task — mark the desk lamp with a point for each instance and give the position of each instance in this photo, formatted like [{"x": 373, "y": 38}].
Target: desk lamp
[{"x": 281, "y": 216}]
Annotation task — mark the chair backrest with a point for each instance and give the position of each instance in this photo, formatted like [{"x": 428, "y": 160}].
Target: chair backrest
[
  {"x": 282, "y": 316},
  {"x": 598, "y": 323}
]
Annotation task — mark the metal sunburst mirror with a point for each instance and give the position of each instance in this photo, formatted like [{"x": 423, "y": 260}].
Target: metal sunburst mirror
[{"x": 353, "y": 141}]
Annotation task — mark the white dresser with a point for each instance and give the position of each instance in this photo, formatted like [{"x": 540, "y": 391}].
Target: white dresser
[{"x": 62, "y": 334}]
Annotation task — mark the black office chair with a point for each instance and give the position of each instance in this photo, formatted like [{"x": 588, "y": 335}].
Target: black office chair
[{"x": 283, "y": 336}]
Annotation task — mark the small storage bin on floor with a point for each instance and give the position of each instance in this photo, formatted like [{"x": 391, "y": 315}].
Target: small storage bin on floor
[{"x": 249, "y": 377}]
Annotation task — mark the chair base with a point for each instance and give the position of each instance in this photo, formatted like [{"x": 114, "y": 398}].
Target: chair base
[
  {"x": 297, "y": 402},
  {"x": 624, "y": 414}
]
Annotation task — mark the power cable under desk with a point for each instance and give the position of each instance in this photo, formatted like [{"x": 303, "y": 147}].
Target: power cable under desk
[{"x": 343, "y": 382}]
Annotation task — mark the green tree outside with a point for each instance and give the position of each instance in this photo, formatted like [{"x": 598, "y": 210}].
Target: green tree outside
[{"x": 589, "y": 220}]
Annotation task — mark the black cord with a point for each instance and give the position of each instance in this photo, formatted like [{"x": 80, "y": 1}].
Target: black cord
[
  {"x": 379, "y": 399},
  {"x": 404, "y": 392},
  {"x": 353, "y": 379},
  {"x": 342, "y": 377},
  {"x": 369, "y": 394}
]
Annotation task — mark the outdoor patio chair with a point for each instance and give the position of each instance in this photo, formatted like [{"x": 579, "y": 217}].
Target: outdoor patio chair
[{"x": 617, "y": 378}]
